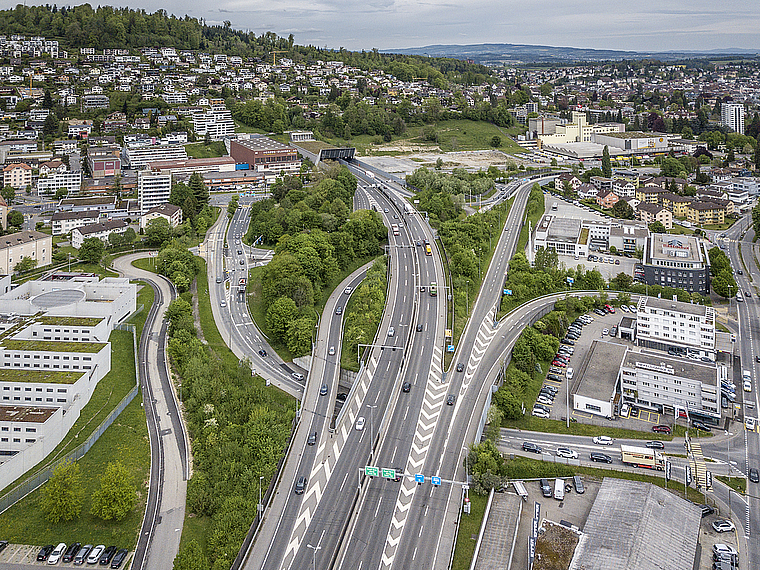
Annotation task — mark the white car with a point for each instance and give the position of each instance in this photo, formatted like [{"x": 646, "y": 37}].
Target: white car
[
  {"x": 605, "y": 332},
  {"x": 624, "y": 411},
  {"x": 723, "y": 526},
  {"x": 347, "y": 290},
  {"x": 391, "y": 331},
  {"x": 750, "y": 423},
  {"x": 55, "y": 556},
  {"x": 331, "y": 351},
  {"x": 747, "y": 385},
  {"x": 624, "y": 308},
  {"x": 569, "y": 373},
  {"x": 544, "y": 400},
  {"x": 632, "y": 308},
  {"x": 539, "y": 413},
  {"x": 603, "y": 440},
  {"x": 567, "y": 452},
  {"x": 360, "y": 423},
  {"x": 95, "y": 554}
]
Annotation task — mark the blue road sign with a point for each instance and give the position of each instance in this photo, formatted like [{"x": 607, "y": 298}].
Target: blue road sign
[
  {"x": 419, "y": 478},
  {"x": 507, "y": 291},
  {"x": 435, "y": 480},
  {"x": 450, "y": 348}
]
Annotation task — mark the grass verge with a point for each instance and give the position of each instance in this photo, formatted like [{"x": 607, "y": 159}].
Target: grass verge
[
  {"x": 202, "y": 150},
  {"x": 126, "y": 439},
  {"x": 210, "y": 331},
  {"x": 738, "y": 484},
  {"x": 467, "y": 536}
]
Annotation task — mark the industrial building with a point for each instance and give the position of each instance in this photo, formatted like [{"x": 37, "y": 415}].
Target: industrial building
[
  {"x": 263, "y": 154},
  {"x": 595, "y": 388}
]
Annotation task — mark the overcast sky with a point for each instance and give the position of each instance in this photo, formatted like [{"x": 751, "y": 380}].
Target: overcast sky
[{"x": 644, "y": 25}]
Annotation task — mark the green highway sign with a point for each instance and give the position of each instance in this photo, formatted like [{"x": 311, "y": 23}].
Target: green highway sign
[
  {"x": 370, "y": 471},
  {"x": 389, "y": 473}
]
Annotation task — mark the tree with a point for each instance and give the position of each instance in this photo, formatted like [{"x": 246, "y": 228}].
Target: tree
[
  {"x": 129, "y": 236},
  {"x": 546, "y": 258},
  {"x": 191, "y": 557},
  {"x": 622, "y": 209},
  {"x": 116, "y": 495},
  {"x": 232, "y": 206},
  {"x": 26, "y": 264},
  {"x": 198, "y": 189},
  {"x": 50, "y": 126},
  {"x": 15, "y": 219},
  {"x": 606, "y": 163},
  {"x": 62, "y": 496},
  {"x": 9, "y": 194},
  {"x": 92, "y": 250},
  {"x": 299, "y": 336},
  {"x": 496, "y": 141},
  {"x": 657, "y": 227},
  {"x": 157, "y": 232},
  {"x": 115, "y": 239},
  {"x": 280, "y": 314}
]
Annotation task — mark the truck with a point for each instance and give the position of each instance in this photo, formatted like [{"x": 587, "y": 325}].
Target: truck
[
  {"x": 433, "y": 289},
  {"x": 394, "y": 227},
  {"x": 643, "y": 457}
]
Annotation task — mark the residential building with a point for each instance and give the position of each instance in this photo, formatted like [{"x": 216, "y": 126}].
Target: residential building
[
  {"x": 677, "y": 261},
  {"x": 152, "y": 189},
  {"x": 64, "y": 222},
  {"x": 602, "y": 183},
  {"x": 27, "y": 243},
  {"x": 52, "y": 167},
  {"x": 732, "y": 116},
  {"x": 169, "y": 212},
  {"x": 93, "y": 102},
  {"x": 79, "y": 128},
  {"x": 265, "y": 155},
  {"x": 703, "y": 212},
  {"x": 679, "y": 205},
  {"x": 70, "y": 181},
  {"x": 184, "y": 168},
  {"x": 587, "y": 191},
  {"x": 216, "y": 122},
  {"x": 65, "y": 146},
  {"x": 3, "y": 216},
  {"x": 607, "y": 198},
  {"x": 99, "y": 230},
  {"x": 18, "y": 176},
  {"x": 663, "y": 324},
  {"x": 15, "y": 147},
  {"x": 572, "y": 180},
  {"x": 650, "y": 213},
  {"x": 650, "y": 194},
  {"x": 99, "y": 203}
]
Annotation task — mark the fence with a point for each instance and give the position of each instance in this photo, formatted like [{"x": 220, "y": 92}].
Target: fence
[{"x": 42, "y": 476}]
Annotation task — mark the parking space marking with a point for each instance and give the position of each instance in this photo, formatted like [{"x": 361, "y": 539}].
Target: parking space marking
[
  {"x": 647, "y": 416},
  {"x": 582, "y": 415}
]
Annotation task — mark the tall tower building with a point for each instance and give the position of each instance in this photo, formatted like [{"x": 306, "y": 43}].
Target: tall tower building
[{"x": 732, "y": 116}]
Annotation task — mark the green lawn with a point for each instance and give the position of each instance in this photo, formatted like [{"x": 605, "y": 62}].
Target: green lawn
[
  {"x": 201, "y": 150},
  {"x": 126, "y": 440},
  {"x": 469, "y": 527},
  {"x": 210, "y": 332},
  {"x": 738, "y": 484}
]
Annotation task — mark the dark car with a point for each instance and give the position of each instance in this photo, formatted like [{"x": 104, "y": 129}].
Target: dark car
[
  {"x": 460, "y": 367},
  {"x": 706, "y": 510},
  {"x": 662, "y": 428},
  {"x": 406, "y": 387},
  {"x": 702, "y": 426},
  {"x": 44, "y": 552},
  {"x": 601, "y": 457},
  {"x": 119, "y": 558},
  {"x": 107, "y": 556},
  {"x": 532, "y": 447},
  {"x": 341, "y": 397},
  {"x": 399, "y": 474},
  {"x": 312, "y": 439},
  {"x": 754, "y": 476},
  {"x": 450, "y": 399},
  {"x": 568, "y": 341},
  {"x": 323, "y": 390},
  {"x": 71, "y": 552},
  {"x": 655, "y": 445},
  {"x": 419, "y": 328},
  {"x": 300, "y": 485},
  {"x": 554, "y": 377},
  {"x": 262, "y": 352}
]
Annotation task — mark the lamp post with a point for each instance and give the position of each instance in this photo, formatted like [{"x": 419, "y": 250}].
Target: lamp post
[
  {"x": 371, "y": 429},
  {"x": 314, "y": 557},
  {"x": 467, "y": 294}
]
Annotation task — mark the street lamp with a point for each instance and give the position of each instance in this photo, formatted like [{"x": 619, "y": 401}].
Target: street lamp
[
  {"x": 314, "y": 558},
  {"x": 467, "y": 294},
  {"x": 371, "y": 436},
  {"x": 261, "y": 508}
]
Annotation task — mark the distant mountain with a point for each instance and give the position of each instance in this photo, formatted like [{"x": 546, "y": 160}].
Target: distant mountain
[{"x": 490, "y": 54}]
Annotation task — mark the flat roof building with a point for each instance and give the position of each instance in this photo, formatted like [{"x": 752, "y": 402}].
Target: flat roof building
[
  {"x": 595, "y": 387},
  {"x": 152, "y": 189},
  {"x": 677, "y": 261},
  {"x": 638, "y": 526},
  {"x": 663, "y": 324},
  {"x": 265, "y": 155}
]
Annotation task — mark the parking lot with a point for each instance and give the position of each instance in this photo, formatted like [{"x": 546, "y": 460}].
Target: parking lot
[{"x": 19, "y": 556}]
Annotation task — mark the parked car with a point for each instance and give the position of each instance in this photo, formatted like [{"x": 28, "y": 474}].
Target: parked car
[
  {"x": 55, "y": 556},
  {"x": 559, "y": 363},
  {"x": 569, "y": 373},
  {"x": 119, "y": 558},
  {"x": 662, "y": 428},
  {"x": 706, "y": 510},
  {"x": 107, "y": 556},
  {"x": 81, "y": 556},
  {"x": 567, "y": 452},
  {"x": 554, "y": 377},
  {"x": 95, "y": 554},
  {"x": 568, "y": 342},
  {"x": 341, "y": 397},
  {"x": 71, "y": 552},
  {"x": 700, "y": 425},
  {"x": 360, "y": 421},
  {"x": 601, "y": 457},
  {"x": 545, "y": 400},
  {"x": 532, "y": 447},
  {"x": 723, "y": 526},
  {"x": 540, "y": 413},
  {"x": 603, "y": 440},
  {"x": 655, "y": 445},
  {"x": 44, "y": 552}
]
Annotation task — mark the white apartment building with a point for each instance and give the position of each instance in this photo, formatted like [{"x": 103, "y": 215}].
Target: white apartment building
[
  {"x": 216, "y": 122},
  {"x": 100, "y": 230},
  {"x": 732, "y": 116},
  {"x": 64, "y": 222},
  {"x": 71, "y": 181},
  {"x": 152, "y": 189},
  {"x": 667, "y": 385},
  {"x": 139, "y": 156},
  {"x": 662, "y": 324},
  {"x": 28, "y": 243}
]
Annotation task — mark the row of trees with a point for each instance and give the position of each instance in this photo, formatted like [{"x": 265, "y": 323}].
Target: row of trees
[
  {"x": 368, "y": 304},
  {"x": 238, "y": 429}
]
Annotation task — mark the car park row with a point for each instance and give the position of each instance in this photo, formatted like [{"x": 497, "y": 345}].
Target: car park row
[{"x": 79, "y": 555}]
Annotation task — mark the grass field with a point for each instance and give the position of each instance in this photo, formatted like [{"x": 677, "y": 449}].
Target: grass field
[
  {"x": 126, "y": 440},
  {"x": 453, "y": 135},
  {"x": 201, "y": 150},
  {"x": 469, "y": 527}
]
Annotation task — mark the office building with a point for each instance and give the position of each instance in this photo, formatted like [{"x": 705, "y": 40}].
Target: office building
[
  {"x": 152, "y": 189},
  {"x": 263, "y": 154},
  {"x": 663, "y": 324},
  {"x": 732, "y": 116},
  {"x": 139, "y": 156},
  {"x": 70, "y": 181},
  {"x": 677, "y": 261}
]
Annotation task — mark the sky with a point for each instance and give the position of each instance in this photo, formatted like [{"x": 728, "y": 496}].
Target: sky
[{"x": 643, "y": 25}]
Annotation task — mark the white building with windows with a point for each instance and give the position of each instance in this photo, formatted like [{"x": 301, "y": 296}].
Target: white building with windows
[
  {"x": 139, "y": 156},
  {"x": 71, "y": 181},
  {"x": 216, "y": 122},
  {"x": 732, "y": 116},
  {"x": 152, "y": 189},
  {"x": 662, "y": 324}
]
